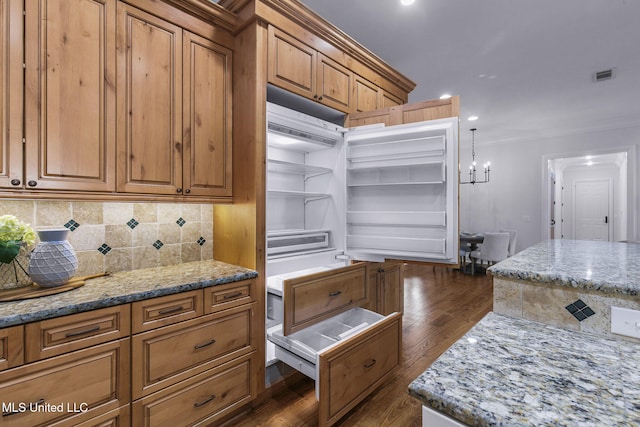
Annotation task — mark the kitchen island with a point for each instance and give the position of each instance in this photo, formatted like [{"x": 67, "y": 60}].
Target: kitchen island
[{"x": 546, "y": 355}]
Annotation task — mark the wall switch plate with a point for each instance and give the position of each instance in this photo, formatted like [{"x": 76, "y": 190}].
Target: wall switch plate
[
  {"x": 526, "y": 218},
  {"x": 625, "y": 322}
]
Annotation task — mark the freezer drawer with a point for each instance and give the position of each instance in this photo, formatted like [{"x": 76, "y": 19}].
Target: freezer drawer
[
  {"x": 348, "y": 356},
  {"x": 310, "y": 298}
]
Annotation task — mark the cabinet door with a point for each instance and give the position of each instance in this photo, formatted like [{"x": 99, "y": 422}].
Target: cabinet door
[
  {"x": 334, "y": 84},
  {"x": 11, "y": 82},
  {"x": 388, "y": 100},
  {"x": 292, "y": 64},
  {"x": 149, "y": 103},
  {"x": 391, "y": 292},
  {"x": 207, "y": 117},
  {"x": 366, "y": 95},
  {"x": 70, "y": 94}
]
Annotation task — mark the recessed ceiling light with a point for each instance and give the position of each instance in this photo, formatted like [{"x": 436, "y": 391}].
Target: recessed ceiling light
[
  {"x": 473, "y": 118},
  {"x": 407, "y": 2},
  {"x": 445, "y": 96}
]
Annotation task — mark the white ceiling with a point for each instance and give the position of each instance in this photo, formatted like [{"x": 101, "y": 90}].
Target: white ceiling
[{"x": 525, "y": 67}]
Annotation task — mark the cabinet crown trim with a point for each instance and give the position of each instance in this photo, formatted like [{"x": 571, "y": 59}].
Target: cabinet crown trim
[{"x": 308, "y": 19}]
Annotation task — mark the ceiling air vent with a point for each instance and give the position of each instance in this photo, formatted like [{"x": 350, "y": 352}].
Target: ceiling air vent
[{"x": 599, "y": 76}]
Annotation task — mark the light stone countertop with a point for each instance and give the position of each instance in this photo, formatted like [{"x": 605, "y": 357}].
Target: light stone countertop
[
  {"x": 515, "y": 372},
  {"x": 608, "y": 267},
  {"x": 122, "y": 288}
]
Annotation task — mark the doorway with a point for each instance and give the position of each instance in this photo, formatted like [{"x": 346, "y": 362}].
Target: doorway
[{"x": 586, "y": 197}]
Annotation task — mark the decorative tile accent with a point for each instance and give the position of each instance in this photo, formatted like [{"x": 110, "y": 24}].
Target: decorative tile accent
[
  {"x": 104, "y": 249},
  {"x": 201, "y": 241},
  {"x": 158, "y": 244},
  {"x": 580, "y": 310},
  {"x": 181, "y": 222},
  {"x": 72, "y": 225},
  {"x": 132, "y": 223}
]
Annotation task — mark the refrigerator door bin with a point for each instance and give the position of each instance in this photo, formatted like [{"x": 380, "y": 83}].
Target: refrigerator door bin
[{"x": 297, "y": 241}]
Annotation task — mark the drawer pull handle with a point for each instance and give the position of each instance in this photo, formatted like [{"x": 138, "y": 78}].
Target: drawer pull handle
[
  {"x": 235, "y": 295},
  {"x": 204, "y": 402},
  {"x": 82, "y": 332},
  {"x": 207, "y": 344},
  {"x": 32, "y": 405},
  {"x": 171, "y": 310},
  {"x": 335, "y": 294},
  {"x": 370, "y": 363}
]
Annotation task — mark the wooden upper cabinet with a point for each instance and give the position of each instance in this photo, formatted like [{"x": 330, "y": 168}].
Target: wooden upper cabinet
[
  {"x": 301, "y": 69},
  {"x": 11, "y": 81},
  {"x": 388, "y": 100},
  {"x": 207, "y": 92},
  {"x": 174, "y": 107},
  {"x": 70, "y": 94},
  {"x": 149, "y": 103},
  {"x": 367, "y": 95},
  {"x": 292, "y": 64}
]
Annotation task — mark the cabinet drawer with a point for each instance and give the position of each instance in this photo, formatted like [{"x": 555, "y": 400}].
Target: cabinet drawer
[
  {"x": 318, "y": 296},
  {"x": 162, "y": 311},
  {"x": 120, "y": 417},
  {"x": 94, "y": 379},
  {"x": 200, "y": 400},
  {"x": 350, "y": 371},
  {"x": 11, "y": 347},
  {"x": 221, "y": 297},
  {"x": 52, "y": 337},
  {"x": 165, "y": 356}
]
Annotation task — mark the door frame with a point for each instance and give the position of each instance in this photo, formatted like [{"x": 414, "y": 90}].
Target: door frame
[{"x": 632, "y": 188}]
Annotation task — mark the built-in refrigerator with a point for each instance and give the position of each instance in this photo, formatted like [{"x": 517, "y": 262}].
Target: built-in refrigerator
[{"x": 336, "y": 195}]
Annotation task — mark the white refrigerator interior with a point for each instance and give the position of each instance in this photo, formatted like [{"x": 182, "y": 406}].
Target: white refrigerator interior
[{"x": 368, "y": 193}]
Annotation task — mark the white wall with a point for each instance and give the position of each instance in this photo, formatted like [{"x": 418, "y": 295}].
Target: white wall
[{"x": 513, "y": 198}]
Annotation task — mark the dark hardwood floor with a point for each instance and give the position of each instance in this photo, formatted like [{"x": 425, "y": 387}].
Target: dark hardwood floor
[{"x": 441, "y": 305}]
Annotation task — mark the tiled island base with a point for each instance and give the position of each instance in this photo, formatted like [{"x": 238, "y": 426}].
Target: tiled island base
[{"x": 558, "y": 305}]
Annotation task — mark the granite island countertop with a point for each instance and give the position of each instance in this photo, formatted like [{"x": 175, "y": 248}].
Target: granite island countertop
[
  {"x": 515, "y": 372},
  {"x": 124, "y": 287},
  {"x": 607, "y": 267}
]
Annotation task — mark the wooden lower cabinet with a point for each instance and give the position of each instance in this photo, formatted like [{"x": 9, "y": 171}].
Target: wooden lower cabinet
[
  {"x": 201, "y": 399},
  {"x": 11, "y": 347},
  {"x": 120, "y": 417},
  {"x": 168, "y": 355},
  {"x": 73, "y": 387},
  {"x": 385, "y": 284}
]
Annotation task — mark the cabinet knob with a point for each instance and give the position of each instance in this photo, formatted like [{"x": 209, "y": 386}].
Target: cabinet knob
[
  {"x": 315, "y": 96},
  {"x": 179, "y": 190},
  {"x": 319, "y": 98},
  {"x": 187, "y": 191},
  {"x": 32, "y": 183},
  {"x": 15, "y": 182}
]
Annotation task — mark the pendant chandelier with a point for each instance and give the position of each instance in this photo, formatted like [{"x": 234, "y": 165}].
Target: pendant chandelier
[{"x": 472, "y": 168}]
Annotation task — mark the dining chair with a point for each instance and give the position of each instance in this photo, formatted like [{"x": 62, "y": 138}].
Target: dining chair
[
  {"x": 513, "y": 236},
  {"x": 495, "y": 248}
]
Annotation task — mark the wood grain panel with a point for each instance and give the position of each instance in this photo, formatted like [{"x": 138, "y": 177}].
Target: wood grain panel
[
  {"x": 207, "y": 110},
  {"x": 366, "y": 95},
  {"x": 334, "y": 84},
  {"x": 97, "y": 376},
  {"x": 70, "y": 94},
  {"x": 149, "y": 103},
  {"x": 11, "y": 347},
  {"x": 292, "y": 64},
  {"x": 11, "y": 82}
]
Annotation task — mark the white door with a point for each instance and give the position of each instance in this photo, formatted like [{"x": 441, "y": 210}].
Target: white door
[{"x": 591, "y": 210}]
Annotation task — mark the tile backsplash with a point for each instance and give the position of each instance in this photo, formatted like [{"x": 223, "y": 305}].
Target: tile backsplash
[{"x": 114, "y": 236}]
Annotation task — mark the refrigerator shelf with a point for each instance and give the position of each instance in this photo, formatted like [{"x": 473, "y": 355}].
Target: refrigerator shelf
[
  {"x": 379, "y": 184},
  {"x": 429, "y": 219},
  {"x": 281, "y": 166},
  {"x": 308, "y": 196}
]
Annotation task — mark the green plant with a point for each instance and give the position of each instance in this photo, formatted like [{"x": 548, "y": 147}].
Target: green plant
[{"x": 13, "y": 234}]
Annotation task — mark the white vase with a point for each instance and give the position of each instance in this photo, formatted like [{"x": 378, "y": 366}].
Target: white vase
[{"x": 53, "y": 262}]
